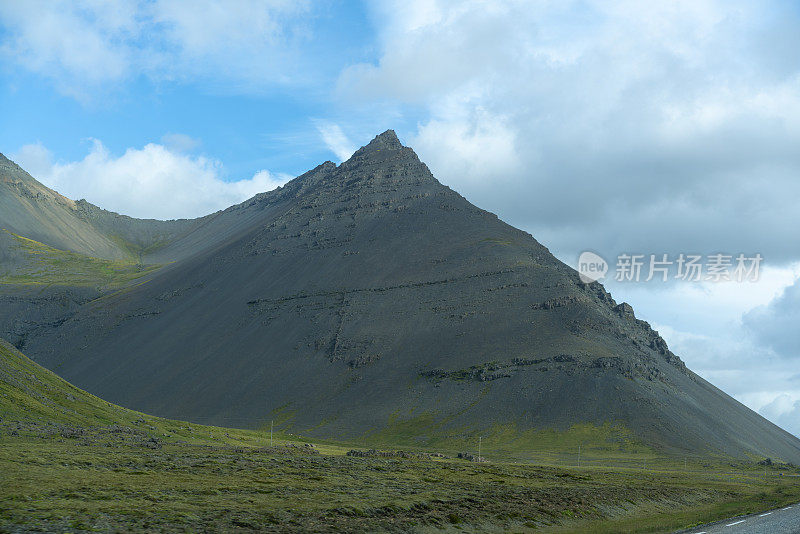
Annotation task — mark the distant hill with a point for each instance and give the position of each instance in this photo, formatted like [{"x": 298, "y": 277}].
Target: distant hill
[
  {"x": 30, "y": 209},
  {"x": 368, "y": 299},
  {"x": 34, "y": 211}
]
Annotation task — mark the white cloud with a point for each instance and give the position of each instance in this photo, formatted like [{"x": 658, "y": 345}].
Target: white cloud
[
  {"x": 784, "y": 411},
  {"x": 616, "y": 126},
  {"x": 180, "y": 142},
  {"x": 62, "y": 41},
  {"x": 85, "y": 45},
  {"x": 474, "y": 146},
  {"x": 151, "y": 182},
  {"x": 716, "y": 308},
  {"x": 780, "y": 405},
  {"x": 775, "y": 324},
  {"x": 35, "y": 159},
  {"x": 246, "y": 40},
  {"x": 336, "y": 140}
]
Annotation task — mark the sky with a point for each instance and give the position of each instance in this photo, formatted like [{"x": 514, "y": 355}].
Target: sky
[{"x": 617, "y": 127}]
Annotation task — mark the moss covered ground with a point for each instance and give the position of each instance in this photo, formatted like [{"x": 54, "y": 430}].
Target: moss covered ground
[{"x": 40, "y": 264}]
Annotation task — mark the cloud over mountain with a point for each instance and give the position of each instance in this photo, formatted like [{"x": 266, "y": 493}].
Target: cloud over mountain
[{"x": 151, "y": 182}]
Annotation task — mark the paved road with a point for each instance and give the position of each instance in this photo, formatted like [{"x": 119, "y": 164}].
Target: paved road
[{"x": 780, "y": 521}]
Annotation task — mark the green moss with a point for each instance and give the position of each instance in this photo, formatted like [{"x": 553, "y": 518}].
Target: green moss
[
  {"x": 598, "y": 443},
  {"x": 136, "y": 252},
  {"x": 45, "y": 265}
]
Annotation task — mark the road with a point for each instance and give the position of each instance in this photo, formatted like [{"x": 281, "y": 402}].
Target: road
[{"x": 780, "y": 521}]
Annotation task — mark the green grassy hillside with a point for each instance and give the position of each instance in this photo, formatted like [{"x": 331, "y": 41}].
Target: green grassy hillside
[
  {"x": 29, "y": 262},
  {"x": 28, "y": 392}
]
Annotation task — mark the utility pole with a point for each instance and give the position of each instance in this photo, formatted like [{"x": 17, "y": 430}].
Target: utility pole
[
  {"x": 579, "y": 454},
  {"x": 479, "y": 449},
  {"x": 270, "y": 432}
]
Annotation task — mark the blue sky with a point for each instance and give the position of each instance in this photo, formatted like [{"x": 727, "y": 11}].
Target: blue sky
[
  {"x": 248, "y": 128},
  {"x": 661, "y": 127}
]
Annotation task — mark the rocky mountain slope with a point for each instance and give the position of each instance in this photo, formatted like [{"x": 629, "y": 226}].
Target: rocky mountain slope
[
  {"x": 368, "y": 298},
  {"x": 30, "y": 209}
]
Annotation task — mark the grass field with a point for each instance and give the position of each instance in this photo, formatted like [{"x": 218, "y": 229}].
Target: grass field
[
  {"x": 41, "y": 264},
  {"x": 129, "y": 479},
  {"x": 71, "y": 462}
]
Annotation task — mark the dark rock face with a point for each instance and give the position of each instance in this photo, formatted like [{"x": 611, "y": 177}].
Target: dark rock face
[
  {"x": 28, "y": 311},
  {"x": 369, "y": 293}
]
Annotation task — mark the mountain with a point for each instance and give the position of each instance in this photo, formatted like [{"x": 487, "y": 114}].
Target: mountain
[
  {"x": 30, "y": 209},
  {"x": 368, "y": 299}
]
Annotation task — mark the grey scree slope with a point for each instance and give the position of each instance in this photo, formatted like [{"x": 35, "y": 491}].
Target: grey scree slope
[
  {"x": 32, "y": 210},
  {"x": 369, "y": 292}
]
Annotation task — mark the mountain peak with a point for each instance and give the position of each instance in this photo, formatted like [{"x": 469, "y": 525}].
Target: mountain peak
[
  {"x": 386, "y": 157},
  {"x": 386, "y": 141},
  {"x": 382, "y": 149}
]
